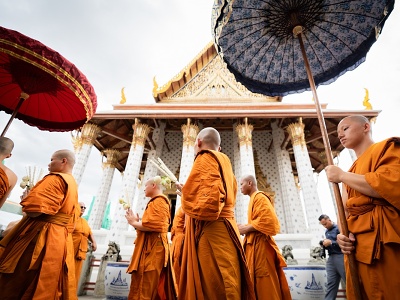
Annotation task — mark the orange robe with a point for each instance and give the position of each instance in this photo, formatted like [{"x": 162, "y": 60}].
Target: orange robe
[
  {"x": 37, "y": 259},
  {"x": 376, "y": 222},
  {"x": 150, "y": 256},
  {"x": 263, "y": 256},
  {"x": 80, "y": 237},
  {"x": 4, "y": 183},
  {"x": 177, "y": 237},
  {"x": 213, "y": 261}
]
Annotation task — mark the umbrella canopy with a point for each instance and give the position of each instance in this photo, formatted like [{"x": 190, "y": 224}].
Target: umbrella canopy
[
  {"x": 257, "y": 42},
  {"x": 41, "y": 87}
]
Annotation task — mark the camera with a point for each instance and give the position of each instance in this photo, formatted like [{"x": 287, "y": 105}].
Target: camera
[{"x": 322, "y": 252}]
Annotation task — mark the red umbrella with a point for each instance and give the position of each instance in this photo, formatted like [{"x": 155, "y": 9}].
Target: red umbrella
[{"x": 40, "y": 87}]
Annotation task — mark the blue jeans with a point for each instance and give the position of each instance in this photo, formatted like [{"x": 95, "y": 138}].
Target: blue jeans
[{"x": 334, "y": 271}]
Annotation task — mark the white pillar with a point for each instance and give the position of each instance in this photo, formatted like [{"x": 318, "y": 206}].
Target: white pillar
[
  {"x": 306, "y": 179},
  {"x": 244, "y": 134},
  {"x": 189, "y": 132},
  {"x": 100, "y": 202},
  {"x": 129, "y": 181},
  {"x": 83, "y": 143},
  {"x": 294, "y": 217},
  {"x": 151, "y": 170}
]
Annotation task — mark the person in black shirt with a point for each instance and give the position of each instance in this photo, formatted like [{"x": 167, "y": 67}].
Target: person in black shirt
[{"x": 335, "y": 263}]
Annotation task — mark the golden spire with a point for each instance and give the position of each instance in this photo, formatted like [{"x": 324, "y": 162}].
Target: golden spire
[
  {"x": 366, "y": 103},
  {"x": 123, "y": 98}
]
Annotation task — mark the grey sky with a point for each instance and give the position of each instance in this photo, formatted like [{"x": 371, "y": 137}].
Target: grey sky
[{"x": 125, "y": 43}]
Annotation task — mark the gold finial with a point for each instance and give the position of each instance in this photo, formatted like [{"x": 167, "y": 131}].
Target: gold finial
[
  {"x": 366, "y": 103},
  {"x": 123, "y": 98},
  {"x": 155, "y": 87}
]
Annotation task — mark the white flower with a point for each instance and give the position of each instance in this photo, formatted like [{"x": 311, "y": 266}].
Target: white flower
[
  {"x": 126, "y": 206},
  {"x": 23, "y": 184}
]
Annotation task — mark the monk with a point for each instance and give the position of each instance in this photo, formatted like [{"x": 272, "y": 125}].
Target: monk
[
  {"x": 8, "y": 179},
  {"x": 150, "y": 256},
  {"x": 214, "y": 264},
  {"x": 371, "y": 196},
  {"x": 80, "y": 236},
  {"x": 263, "y": 256},
  {"x": 177, "y": 238},
  {"x": 36, "y": 257}
]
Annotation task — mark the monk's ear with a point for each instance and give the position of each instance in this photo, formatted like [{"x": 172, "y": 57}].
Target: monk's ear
[{"x": 9, "y": 155}]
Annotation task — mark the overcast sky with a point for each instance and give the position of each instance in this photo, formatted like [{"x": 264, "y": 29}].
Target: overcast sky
[{"x": 124, "y": 43}]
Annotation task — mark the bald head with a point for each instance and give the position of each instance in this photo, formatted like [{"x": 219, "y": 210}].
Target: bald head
[
  {"x": 357, "y": 119},
  {"x": 248, "y": 184},
  {"x": 67, "y": 154},
  {"x": 6, "y": 146},
  {"x": 208, "y": 139}
]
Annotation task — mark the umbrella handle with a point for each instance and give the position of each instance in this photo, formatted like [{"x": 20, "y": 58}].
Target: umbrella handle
[
  {"x": 297, "y": 31},
  {"x": 22, "y": 98}
]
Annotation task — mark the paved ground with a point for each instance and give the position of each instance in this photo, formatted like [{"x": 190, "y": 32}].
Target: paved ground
[{"x": 87, "y": 297}]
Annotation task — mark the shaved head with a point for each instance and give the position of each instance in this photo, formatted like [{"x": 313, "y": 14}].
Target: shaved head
[
  {"x": 210, "y": 137},
  {"x": 6, "y": 146},
  {"x": 356, "y": 118},
  {"x": 68, "y": 154},
  {"x": 250, "y": 178}
]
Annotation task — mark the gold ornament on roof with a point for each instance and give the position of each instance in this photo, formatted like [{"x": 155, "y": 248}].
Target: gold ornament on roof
[
  {"x": 366, "y": 102},
  {"x": 123, "y": 98}
]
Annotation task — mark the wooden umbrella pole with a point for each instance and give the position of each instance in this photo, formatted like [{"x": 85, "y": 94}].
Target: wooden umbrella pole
[
  {"x": 342, "y": 217},
  {"x": 22, "y": 98}
]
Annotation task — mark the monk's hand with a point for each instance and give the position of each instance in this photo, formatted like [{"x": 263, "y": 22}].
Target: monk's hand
[
  {"x": 346, "y": 243},
  {"x": 242, "y": 229},
  {"x": 179, "y": 187},
  {"x": 94, "y": 246},
  {"x": 334, "y": 173},
  {"x": 131, "y": 217}
]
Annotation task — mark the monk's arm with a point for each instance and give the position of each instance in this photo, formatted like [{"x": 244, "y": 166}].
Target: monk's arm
[
  {"x": 92, "y": 240},
  {"x": 246, "y": 228},
  {"x": 354, "y": 181},
  {"x": 134, "y": 221}
]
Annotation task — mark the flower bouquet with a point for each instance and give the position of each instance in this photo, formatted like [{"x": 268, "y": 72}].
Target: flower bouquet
[
  {"x": 164, "y": 169},
  {"x": 32, "y": 177},
  {"x": 124, "y": 204}
]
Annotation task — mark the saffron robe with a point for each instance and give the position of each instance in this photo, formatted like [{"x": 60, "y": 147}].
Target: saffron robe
[
  {"x": 150, "y": 256},
  {"x": 4, "y": 183},
  {"x": 80, "y": 237},
  {"x": 213, "y": 261},
  {"x": 36, "y": 260},
  {"x": 177, "y": 238},
  {"x": 376, "y": 222},
  {"x": 263, "y": 256}
]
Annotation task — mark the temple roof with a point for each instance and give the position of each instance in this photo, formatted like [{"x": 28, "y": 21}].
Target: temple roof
[{"x": 207, "y": 93}]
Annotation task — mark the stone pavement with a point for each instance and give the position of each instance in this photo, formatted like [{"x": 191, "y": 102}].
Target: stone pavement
[{"x": 91, "y": 297}]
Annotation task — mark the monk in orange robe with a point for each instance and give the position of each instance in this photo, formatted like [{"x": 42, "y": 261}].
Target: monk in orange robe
[
  {"x": 263, "y": 256},
  {"x": 80, "y": 237},
  {"x": 213, "y": 262},
  {"x": 36, "y": 257},
  {"x": 8, "y": 179},
  {"x": 150, "y": 255},
  {"x": 177, "y": 238},
  {"x": 371, "y": 197}
]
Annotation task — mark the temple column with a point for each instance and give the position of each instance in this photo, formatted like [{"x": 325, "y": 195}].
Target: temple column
[
  {"x": 130, "y": 179},
  {"x": 151, "y": 170},
  {"x": 306, "y": 179},
  {"x": 189, "y": 132},
  {"x": 293, "y": 220},
  {"x": 100, "y": 202},
  {"x": 83, "y": 142},
  {"x": 246, "y": 167}
]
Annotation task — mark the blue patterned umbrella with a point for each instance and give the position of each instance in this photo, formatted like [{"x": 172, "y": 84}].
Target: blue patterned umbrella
[
  {"x": 288, "y": 46},
  {"x": 257, "y": 41}
]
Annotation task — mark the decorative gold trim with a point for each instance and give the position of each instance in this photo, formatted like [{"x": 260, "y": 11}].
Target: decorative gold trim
[
  {"x": 112, "y": 156},
  {"x": 140, "y": 132},
  {"x": 296, "y": 133},
  {"x": 123, "y": 98},
  {"x": 366, "y": 102},
  {"x": 190, "y": 132},
  {"x": 244, "y": 133},
  {"x": 86, "y": 135}
]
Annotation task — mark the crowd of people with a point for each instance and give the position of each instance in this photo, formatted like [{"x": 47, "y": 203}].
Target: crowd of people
[{"x": 211, "y": 256}]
